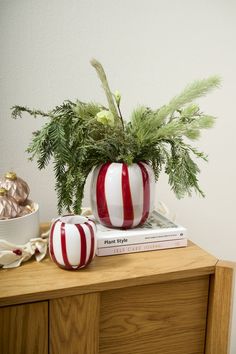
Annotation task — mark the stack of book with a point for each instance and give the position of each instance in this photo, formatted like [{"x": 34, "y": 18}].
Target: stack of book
[{"x": 157, "y": 233}]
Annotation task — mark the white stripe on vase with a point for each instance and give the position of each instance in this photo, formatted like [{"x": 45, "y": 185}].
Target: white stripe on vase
[
  {"x": 88, "y": 241},
  {"x": 136, "y": 181},
  {"x": 152, "y": 186},
  {"x": 114, "y": 195},
  {"x": 72, "y": 244},
  {"x": 95, "y": 238},
  {"x": 93, "y": 191},
  {"x": 57, "y": 243}
]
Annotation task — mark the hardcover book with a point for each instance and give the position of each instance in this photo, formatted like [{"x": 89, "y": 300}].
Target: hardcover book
[
  {"x": 158, "y": 232},
  {"x": 141, "y": 247}
]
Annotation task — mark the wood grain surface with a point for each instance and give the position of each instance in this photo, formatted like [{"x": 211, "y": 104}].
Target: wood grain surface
[
  {"x": 24, "y": 329},
  {"x": 74, "y": 324},
  {"x": 35, "y": 281},
  {"x": 155, "y": 319},
  {"x": 145, "y": 303},
  {"x": 220, "y": 308}
]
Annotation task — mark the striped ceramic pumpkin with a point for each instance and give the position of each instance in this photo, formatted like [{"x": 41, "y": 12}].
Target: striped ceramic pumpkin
[
  {"x": 122, "y": 195},
  {"x": 72, "y": 242}
]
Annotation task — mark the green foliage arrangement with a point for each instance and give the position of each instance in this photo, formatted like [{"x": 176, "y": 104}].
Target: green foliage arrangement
[{"x": 79, "y": 136}]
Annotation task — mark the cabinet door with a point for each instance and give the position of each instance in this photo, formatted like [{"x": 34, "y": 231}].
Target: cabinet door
[
  {"x": 74, "y": 324},
  {"x": 166, "y": 318},
  {"x": 24, "y": 329}
]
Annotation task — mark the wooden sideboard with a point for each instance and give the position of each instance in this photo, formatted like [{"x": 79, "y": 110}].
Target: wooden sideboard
[{"x": 175, "y": 301}]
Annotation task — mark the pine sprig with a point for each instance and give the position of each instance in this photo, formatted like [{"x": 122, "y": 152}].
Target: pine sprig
[
  {"x": 18, "y": 110},
  {"x": 182, "y": 170}
]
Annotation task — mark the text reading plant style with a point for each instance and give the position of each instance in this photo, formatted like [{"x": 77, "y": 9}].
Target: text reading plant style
[{"x": 79, "y": 136}]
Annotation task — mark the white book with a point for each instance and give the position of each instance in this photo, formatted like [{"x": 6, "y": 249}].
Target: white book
[
  {"x": 156, "y": 228},
  {"x": 141, "y": 247}
]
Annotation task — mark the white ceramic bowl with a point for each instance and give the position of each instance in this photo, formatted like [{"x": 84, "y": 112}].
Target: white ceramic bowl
[{"x": 20, "y": 230}]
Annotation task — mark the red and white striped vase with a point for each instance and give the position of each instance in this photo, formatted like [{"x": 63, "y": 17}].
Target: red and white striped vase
[
  {"x": 122, "y": 196},
  {"x": 72, "y": 241}
]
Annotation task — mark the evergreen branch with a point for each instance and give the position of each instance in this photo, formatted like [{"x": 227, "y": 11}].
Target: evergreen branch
[
  {"x": 182, "y": 171},
  {"x": 60, "y": 186},
  {"x": 17, "y": 112},
  {"x": 41, "y": 147}
]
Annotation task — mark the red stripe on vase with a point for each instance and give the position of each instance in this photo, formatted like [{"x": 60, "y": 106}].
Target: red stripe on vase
[
  {"x": 127, "y": 199},
  {"x": 146, "y": 193},
  {"x": 63, "y": 246},
  {"x": 92, "y": 242},
  {"x": 83, "y": 246},
  {"x": 102, "y": 208},
  {"x": 51, "y": 248}
]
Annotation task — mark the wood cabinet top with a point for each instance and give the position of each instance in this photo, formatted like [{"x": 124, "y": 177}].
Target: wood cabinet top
[{"x": 34, "y": 281}]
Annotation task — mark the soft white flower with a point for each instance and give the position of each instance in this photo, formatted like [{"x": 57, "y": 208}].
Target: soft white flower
[{"x": 105, "y": 117}]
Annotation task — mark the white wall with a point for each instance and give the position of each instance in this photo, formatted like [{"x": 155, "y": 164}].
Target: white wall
[{"x": 150, "y": 49}]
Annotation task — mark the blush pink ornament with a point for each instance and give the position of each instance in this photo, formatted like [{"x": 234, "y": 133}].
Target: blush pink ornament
[
  {"x": 72, "y": 241},
  {"x": 122, "y": 196},
  {"x": 16, "y": 187}
]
